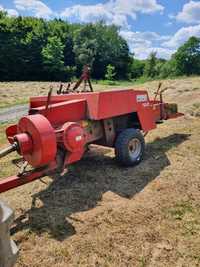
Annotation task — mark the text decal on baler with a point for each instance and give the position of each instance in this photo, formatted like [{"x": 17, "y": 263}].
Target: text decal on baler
[{"x": 141, "y": 98}]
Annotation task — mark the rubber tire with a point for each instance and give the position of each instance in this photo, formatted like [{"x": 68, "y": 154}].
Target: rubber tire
[{"x": 122, "y": 150}]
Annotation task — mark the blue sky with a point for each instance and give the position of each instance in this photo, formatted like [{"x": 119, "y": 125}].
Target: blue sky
[{"x": 147, "y": 25}]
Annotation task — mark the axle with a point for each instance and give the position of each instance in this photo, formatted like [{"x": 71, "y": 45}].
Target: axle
[{"x": 4, "y": 152}]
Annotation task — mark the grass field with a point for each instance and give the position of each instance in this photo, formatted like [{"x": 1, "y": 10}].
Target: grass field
[
  {"x": 16, "y": 93},
  {"x": 102, "y": 215}
]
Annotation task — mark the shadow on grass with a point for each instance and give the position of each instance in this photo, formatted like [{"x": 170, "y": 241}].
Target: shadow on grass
[{"x": 85, "y": 183}]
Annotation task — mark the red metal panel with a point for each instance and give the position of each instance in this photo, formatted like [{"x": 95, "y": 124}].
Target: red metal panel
[
  {"x": 10, "y": 132},
  {"x": 108, "y": 104},
  {"x": 60, "y": 113},
  {"x": 147, "y": 119},
  {"x": 101, "y": 105},
  {"x": 156, "y": 108},
  {"x": 73, "y": 157},
  {"x": 91, "y": 99},
  {"x": 41, "y": 100},
  {"x": 116, "y": 103}
]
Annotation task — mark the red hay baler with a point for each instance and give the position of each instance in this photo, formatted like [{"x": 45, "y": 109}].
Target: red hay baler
[{"x": 59, "y": 128}]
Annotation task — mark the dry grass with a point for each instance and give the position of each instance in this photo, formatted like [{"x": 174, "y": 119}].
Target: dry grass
[
  {"x": 16, "y": 93},
  {"x": 13, "y": 93},
  {"x": 102, "y": 215}
]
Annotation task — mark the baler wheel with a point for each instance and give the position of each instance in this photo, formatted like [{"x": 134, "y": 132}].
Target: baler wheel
[{"x": 130, "y": 147}]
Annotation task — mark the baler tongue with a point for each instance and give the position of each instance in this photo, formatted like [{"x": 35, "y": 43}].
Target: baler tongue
[{"x": 4, "y": 152}]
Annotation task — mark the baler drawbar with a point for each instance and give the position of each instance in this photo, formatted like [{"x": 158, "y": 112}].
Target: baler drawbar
[{"x": 59, "y": 128}]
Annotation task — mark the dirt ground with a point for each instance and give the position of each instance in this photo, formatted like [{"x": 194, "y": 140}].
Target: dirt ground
[{"x": 100, "y": 214}]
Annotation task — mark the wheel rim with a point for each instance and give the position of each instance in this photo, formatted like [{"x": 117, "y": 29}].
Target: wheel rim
[{"x": 134, "y": 147}]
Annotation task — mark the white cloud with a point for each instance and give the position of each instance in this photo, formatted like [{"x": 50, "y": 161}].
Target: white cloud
[
  {"x": 38, "y": 8},
  {"x": 134, "y": 6},
  {"x": 143, "y": 43},
  {"x": 135, "y": 38},
  {"x": 182, "y": 35},
  {"x": 87, "y": 13},
  {"x": 92, "y": 13},
  {"x": 113, "y": 11},
  {"x": 190, "y": 13},
  {"x": 10, "y": 12},
  {"x": 143, "y": 52}
]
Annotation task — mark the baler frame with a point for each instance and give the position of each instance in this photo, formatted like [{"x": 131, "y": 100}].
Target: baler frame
[{"x": 59, "y": 128}]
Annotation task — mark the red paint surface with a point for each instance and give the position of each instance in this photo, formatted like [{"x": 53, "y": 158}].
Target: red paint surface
[
  {"x": 45, "y": 128},
  {"x": 43, "y": 138},
  {"x": 99, "y": 105}
]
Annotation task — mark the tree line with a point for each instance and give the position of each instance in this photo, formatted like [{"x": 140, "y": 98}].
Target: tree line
[
  {"x": 38, "y": 49},
  {"x": 186, "y": 61}
]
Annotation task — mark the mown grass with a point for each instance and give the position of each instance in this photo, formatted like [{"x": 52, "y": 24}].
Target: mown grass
[
  {"x": 100, "y": 214},
  {"x": 6, "y": 103},
  {"x": 16, "y": 93},
  {"x": 2, "y": 133}
]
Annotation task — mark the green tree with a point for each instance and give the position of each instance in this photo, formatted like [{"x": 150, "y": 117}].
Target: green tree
[
  {"x": 159, "y": 64},
  {"x": 38, "y": 49},
  {"x": 110, "y": 73},
  {"x": 85, "y": 46},
  {"x": 187, "y": 57},
  {"x": 99, "y": 45},
  {"x": 168, "y": 69},
  {"x": 53, "y": 57},
  {"x": 150, "y": 66},
  {"x": 136, "y": 68}
]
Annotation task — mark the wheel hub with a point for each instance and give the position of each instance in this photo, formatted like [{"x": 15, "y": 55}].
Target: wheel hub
[{"x": 134, "y": 147}]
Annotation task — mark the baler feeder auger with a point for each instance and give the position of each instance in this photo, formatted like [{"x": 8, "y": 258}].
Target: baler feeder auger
[{"x": 59, "y": 128}]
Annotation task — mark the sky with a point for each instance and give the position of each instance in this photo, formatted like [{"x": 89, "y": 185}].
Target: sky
[{"x": 147, "y": 25}]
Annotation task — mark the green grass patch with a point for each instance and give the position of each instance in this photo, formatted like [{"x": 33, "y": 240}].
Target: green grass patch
[
  {"x": 180, "y": 209},
  {"x": 195, "y": 109},
  {"x": 114, "y": 83},
  {"x": 187, "y": 217},
  {"x": 7, "y": 104},
  {"x": 3, "y": 139}
]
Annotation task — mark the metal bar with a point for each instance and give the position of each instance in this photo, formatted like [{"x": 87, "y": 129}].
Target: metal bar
[
  {"x": 4, "y": 152},
  {"x": 49, "y": 98},
  {"x": 18, "y": 180},
  {"x": 158, "y": 90},
  {"x": 90, "y": 85}
]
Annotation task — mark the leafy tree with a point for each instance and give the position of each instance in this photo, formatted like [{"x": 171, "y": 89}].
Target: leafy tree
[
  {"x": 136, "y": 68},
  {"x": 150, "y": 66},
  {"x": 99, "y": 45},
  {"x": 159, "y": 64},
  {"x": 187, "y": 57},
  {"x": 168, "y": 69},
  {"x": 110, "y": 72},
  {"x": 53, "y": 57},
  {"x": 38, "y": 49},
  {"x": 85, "y": 46}
]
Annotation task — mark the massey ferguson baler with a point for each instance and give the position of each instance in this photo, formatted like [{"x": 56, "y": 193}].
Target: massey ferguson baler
[{"x": 58, "y": 130}]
